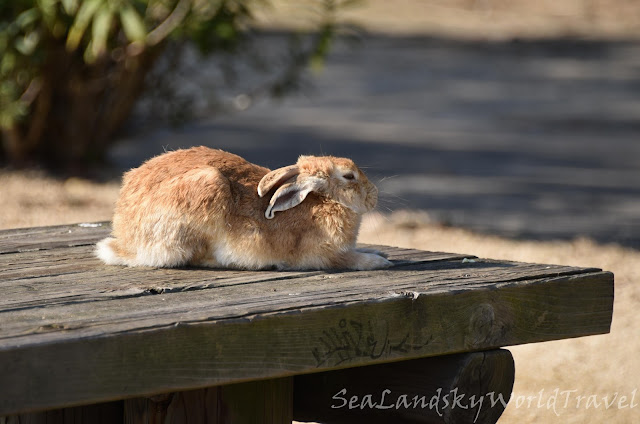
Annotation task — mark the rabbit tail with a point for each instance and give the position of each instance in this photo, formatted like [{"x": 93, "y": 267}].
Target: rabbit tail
[{"x": 108, "y": 252}]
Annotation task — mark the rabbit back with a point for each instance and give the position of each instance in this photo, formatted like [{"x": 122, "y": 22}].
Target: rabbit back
[{"x": 172, "y": 209}]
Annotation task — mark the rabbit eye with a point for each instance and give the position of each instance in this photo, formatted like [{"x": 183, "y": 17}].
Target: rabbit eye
[{"x": 349, "y": 176}]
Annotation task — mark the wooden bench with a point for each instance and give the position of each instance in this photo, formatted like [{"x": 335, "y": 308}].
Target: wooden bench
[{"x": 85, "y": 342}]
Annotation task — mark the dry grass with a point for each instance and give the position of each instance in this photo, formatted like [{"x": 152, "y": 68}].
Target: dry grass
[
  {"x": 598, "y": 365},
  {"x": 31, "y": 199},
  {"x": 485, "y": 19}
]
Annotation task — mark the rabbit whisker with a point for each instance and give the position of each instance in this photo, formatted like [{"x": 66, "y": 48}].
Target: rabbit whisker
[{"x": 388, "y": 178}]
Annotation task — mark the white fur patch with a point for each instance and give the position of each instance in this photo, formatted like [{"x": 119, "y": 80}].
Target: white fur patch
[
  {"x": 106, "y": 254},
  {"x": 161, "y": 256}
]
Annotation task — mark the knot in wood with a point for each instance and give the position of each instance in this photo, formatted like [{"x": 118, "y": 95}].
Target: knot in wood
[{"x": 481, "y": 325}]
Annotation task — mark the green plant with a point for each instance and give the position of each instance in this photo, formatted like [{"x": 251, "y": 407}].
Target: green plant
[{"x": 72, "y": 70}]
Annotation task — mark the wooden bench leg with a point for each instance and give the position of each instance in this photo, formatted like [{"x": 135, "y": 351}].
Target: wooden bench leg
[
  {"x": 102, "y": 413},
  {"x": 462, "y": 388},
  {"x": 257, "y": 402}
]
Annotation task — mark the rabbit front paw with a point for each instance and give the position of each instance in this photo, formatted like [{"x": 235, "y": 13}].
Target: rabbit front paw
[{"x": 364, "y": 261}]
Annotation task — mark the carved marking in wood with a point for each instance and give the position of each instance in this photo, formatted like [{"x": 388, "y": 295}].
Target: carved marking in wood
[{"x": 353, "y": 339}]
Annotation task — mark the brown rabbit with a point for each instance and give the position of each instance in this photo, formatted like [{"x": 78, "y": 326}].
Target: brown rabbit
[{"x": 211, "y": 208}]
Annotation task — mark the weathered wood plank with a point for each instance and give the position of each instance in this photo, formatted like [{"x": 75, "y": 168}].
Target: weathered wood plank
[
  {"x": 44, "y": 238},
  {"x": 85, "y": 332},
  {"x": 183, "y": 356},
  {"x": 462, "y": 388},
  {"x": 193, "y": 295}
]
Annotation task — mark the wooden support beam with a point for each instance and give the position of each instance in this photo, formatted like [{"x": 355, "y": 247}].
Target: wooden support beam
[
  {"x": 102, "y": 413},
  {"x": 255, "y": 402},
  {"x": 461, "y": 388}
]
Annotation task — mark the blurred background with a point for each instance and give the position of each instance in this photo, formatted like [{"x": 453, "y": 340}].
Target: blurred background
[
  {"x": 507, "y": 117},
  {"x": 507, "y": 129}
]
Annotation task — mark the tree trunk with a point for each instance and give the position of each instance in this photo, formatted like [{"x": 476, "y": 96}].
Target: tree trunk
[{"x": 78, "y": 107}]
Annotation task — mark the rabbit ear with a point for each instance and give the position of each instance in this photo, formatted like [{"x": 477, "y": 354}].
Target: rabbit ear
[
  {"x": 292, "y": 194},
  {"x": 277, "y": 177}
]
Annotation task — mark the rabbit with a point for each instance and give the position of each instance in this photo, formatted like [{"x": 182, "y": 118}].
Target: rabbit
[{"x": 210, "y": 208}]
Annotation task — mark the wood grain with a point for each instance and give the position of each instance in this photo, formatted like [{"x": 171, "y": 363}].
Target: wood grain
[
  {"x": 255, "y": 402},
  {"x": 460, "y": 388},
  {"x": 84, "y": 332},
  {"x": 44, "y": 238}
]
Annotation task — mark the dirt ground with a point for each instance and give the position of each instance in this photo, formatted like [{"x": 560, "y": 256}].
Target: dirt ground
[
  {"x": 476, "y": 19},
  {"x": 590, "y": 367}
]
